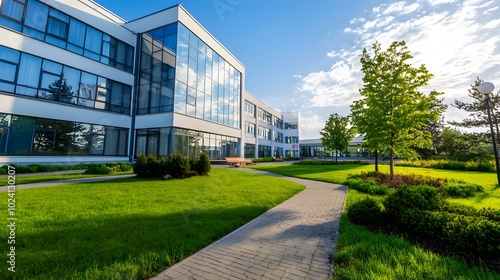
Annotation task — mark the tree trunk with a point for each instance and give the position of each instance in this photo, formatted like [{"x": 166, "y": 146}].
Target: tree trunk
[
  {"x": 376, "y": 160},
  {"x": 336, "y": 156},
  {"x": 391, "y": 164}
]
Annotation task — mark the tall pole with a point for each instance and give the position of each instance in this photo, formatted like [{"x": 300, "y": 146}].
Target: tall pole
[{"x": 487, "y": 99}]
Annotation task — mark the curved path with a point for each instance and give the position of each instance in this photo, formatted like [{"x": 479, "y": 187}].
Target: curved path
[{"x": 294, "y": 240}]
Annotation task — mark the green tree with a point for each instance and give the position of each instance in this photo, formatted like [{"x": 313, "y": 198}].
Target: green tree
[
  {"x": 337, "y": 134},
  {"x": 392, "y": 113}
]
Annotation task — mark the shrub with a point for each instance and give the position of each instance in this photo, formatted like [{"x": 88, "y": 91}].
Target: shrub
[
  {"x": 263, "y": 159},
  {"x": 365, "y": 212},
  {"x": 178, "y": 166},
  {"x": 406, "y": 197},
  {"x": 202, "y": 166},
  {"x": 149, "y": 166},
  {"x": 369, "y": 186},
  {"x": 462, "y": 190},
  {"x": 329, "y": 162},
  {"x": 482, "y": 165},
  {"x": 97, "y": 169}
]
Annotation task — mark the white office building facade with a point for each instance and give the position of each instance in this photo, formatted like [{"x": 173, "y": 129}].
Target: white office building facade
[{"x": 79, "y": 84}]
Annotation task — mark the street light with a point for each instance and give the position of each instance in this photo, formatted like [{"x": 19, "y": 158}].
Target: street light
[{"x": 486, "y": 88}]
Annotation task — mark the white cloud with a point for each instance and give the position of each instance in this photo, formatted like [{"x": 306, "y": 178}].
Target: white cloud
[{"x": 456, "y": 40}]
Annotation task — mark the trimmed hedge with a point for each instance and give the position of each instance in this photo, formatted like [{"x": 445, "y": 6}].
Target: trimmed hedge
[
  {"x": 365, "y": 212},
  {"x": 34, "y": 168},
  {"x": 174, "y": 166},
  {"x": 475, "y": 165},
  {"x": 98, "y": 169},
  {"x": 329, "y": 162},
  {"x": 367, "y": 186},
  {"x": 422, "y": 211}
]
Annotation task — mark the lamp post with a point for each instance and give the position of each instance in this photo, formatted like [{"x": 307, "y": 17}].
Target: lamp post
[{"x": 486, "y": 88}]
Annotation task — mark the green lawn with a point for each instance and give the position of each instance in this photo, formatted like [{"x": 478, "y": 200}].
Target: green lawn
[
  {"x": 338, "y": 174},
  {"x": 132, "y": 228},
  {"x": 363, "y": 254},
  {"x": 23, "y": 179}
]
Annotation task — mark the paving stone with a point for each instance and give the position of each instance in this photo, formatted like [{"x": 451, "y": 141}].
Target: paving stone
[{"x": 294, "y": 240}]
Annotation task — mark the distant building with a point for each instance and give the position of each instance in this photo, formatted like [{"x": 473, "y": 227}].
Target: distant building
[
  {"x": 80, "y": 84},
  {"x": 312, "y": 148}
]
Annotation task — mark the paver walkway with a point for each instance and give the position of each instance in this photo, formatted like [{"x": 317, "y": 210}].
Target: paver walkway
[{"x": 294, "y": 240}]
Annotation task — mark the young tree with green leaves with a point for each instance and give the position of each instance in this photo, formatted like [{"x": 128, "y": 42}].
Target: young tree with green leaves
[
  {"x": 337, "y": 134},
  {"x": 392, "y": 113}
]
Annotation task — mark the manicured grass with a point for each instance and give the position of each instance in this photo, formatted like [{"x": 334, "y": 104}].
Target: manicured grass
[
  {"x": 339, "y": 173},
  {"x": 23, "y": 179},
  {"x": 363, "y": 254},
  {"x": 132, "y": 228}
]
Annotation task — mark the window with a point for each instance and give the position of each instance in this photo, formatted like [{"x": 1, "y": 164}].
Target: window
[
  {"x": 249, "y": 129},
  {"x": 36, "y": 16},
  {"x": 291, "y": 126},
  {"x": 93, "y": 41},
  {"x": 39, "y": 21},
  {"x": 28, "y": 74},
  {"x": 249, "y": 109},
  {"x": 13, "y": 9},
  {"x": 76, "y": 36}
]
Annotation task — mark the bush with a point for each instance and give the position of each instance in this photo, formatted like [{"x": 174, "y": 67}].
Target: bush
[
  {"x": 462, "y": 190},
  {"x": 365, "y": 212},
  {"x": 329, "y": 162},
  {"x": 149, "y": 166},
  {"x": 178, "y": 166},
  {"x": 263, "y": 159},
  {"x": 406, "y": 197},
  {"x": 368, "y": 186},
  {"x": 97, "y": 169},
  {"x": 481, "y": 165},
  {"x": 202, "y": 166}
]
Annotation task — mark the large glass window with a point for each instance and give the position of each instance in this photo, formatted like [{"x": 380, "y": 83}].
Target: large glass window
[
  {"x": 36, "y": 77},
  {"x": 13, "y": 9},
  {"x": 21, "y": 135},
  {"x": 28, "y": 75},
  {"x": 157, "y": 74},
  {"x": 191, "y": 143},
  {"x": 206, "y": 86},
  {"x": 42, "y": 22}
]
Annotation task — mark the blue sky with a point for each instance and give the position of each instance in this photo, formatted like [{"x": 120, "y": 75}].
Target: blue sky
[{"x": 304, "y": 55}]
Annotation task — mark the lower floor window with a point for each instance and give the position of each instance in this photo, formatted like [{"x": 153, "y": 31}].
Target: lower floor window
[
  {"x": 23, "y": 135},
  {"x": 189, "y": 143},
  {"x": 249, "y": 150},
  {"x": 264, "y": 151}
]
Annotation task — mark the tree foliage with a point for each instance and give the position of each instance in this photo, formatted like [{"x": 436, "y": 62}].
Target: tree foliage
[
  {"x": 478, "y": 116},
  {"x": 337, "y": 134},
  {"x": 392, "y": 113}
]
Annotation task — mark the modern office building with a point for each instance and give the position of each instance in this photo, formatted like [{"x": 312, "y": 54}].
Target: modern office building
[
  {"x": 80, "y": 84},
  {"x": 267, "y": 132},
  {"x": 313, "y": 148}
]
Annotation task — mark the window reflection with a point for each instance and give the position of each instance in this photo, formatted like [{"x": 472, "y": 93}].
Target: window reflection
[{"x": 42, "y": 22}]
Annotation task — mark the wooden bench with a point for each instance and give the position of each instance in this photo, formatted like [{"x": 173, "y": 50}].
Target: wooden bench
[{"x": 237, "y": 161}]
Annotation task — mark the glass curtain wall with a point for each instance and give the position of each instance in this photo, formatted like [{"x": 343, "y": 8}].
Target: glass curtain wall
[
  {"x": 157, "y": 72},
  {"x": 206, "y": 86},
  {"x": 191, "y": 143},
  {"x": 33, "y": 76},
  {"x": 47, "y": 24},
  {"x": 22, "y": 135}
]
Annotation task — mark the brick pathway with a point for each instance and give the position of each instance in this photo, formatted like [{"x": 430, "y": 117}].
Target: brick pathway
[{"x": 294, "y": 240}]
